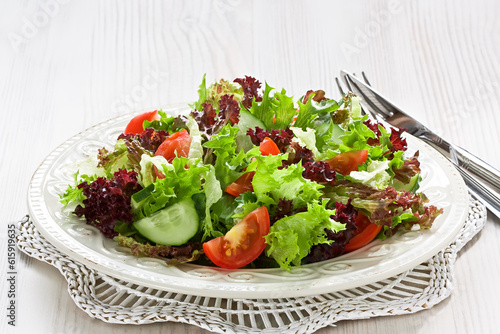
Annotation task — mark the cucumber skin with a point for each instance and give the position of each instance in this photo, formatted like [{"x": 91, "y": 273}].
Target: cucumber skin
[{"x": 141, "y": 195}]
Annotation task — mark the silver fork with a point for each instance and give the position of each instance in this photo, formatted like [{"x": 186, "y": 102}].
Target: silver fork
[{"x": 383, "y": 110}]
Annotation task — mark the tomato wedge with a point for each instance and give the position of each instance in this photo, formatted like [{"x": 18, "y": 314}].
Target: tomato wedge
[
  {"x": 179, "y": 142},
  {"x": 269, "y": 147},
  {"x": 241, "y": 185},
  {"x": 346, "y": 162},
  {"x": 242, "y": 244},
  {"x": 135, "y": 125},
  {"x": 368, "y": 232}
]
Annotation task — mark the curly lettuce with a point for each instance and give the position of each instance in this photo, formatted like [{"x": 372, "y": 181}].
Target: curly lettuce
[{"x": 291, "y": 238}]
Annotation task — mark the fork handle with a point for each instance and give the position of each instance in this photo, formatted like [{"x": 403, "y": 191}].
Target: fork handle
[
  {"x": 455, "y": 155},
  {"x": 481, "y": 193},
  {"x": 466, "y": 160},
  {"x": 471, "y": 163}
]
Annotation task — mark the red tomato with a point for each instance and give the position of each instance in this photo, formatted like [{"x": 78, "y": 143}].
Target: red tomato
[
  {"x": 241, "y": 185},
  {"x": 159, "y": 175},
  {"x": 178, "y": 142},
  {"x": 346, "y": 162},
  {"x": 268, "y": 147},
  {"x": 368, "y": 232},
  {"x": 243, "y": 243},
  {"x": 135, "y": 125}
]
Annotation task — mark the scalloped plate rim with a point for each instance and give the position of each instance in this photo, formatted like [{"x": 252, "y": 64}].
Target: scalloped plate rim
[{"x": 180, "y": 282}]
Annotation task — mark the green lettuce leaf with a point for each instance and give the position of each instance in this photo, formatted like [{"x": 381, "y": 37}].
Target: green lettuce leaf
[
  {"x": 196, "y": 148},
  {"x": 284, "y": 110},
  {"x": 166, "y": 122},
  {"x": 147, "y": 174},
  {"x": 213, "y": 194},
  {"x": 228, "y": 165},
  {"x": 311, "y": 110},
  {"x": 291, "y": 238},
  {"x": 221, "y": 88},
  {"x": 73, "y": 194},
  {"x": 214, "y": 92},
  {"x": 271, "y": 183},
  {"x": 179, "y": 183},
  {"x": 245, "y": 203},
  {"x": 202, "y": 95},
  {"x": 110, "y": 162},
  {"x": 355, "y": 108},
  {"x": 264, "y": 110},
  {"x": 306, "y": 139},
  {"x": 376, "y": 174}
]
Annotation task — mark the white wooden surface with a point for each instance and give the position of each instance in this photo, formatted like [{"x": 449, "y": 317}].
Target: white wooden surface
[{"x": 66, "y": 65}]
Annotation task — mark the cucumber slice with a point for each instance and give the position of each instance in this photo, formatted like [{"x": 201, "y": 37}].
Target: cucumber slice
[
  {"x": 411, "y": 186},
  {"x": 174, "y": 225}
]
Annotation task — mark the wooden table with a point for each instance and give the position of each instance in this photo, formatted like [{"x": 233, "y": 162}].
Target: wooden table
[{"x": 66, "y": 65}]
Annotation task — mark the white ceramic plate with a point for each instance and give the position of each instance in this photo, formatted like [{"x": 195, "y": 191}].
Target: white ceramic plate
[{"x": 377, "y": 261}]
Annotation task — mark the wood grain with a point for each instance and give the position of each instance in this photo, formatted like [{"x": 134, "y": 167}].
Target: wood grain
[{"x": 77, "y": 63}]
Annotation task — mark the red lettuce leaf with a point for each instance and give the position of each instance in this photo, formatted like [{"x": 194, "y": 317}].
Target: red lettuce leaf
[
  {"x": 345, "y": 214},
  {"x": 374, "y": 127},
  {"x": 282, "y": 137},
  {"x": 410, "y": 168},
  {"x": 211, "y": 122},
  {"x": 383, "y": 206},
  {"x": 205, "y": 118},
  {"x": 319, "y": 171},
  {"x": 172, "y": 255},
  {"x": 229, "y": 111},
  {"x": 299, "y": 153},
  {"x": 150, "y": 139},
  {"x": 108, "y": 201},
  {"x": 285, "y": 208},
  {"x": 319, "y": 95},
  {"x": 250, "y": 90},
  {"x": 398, "y": 142}
]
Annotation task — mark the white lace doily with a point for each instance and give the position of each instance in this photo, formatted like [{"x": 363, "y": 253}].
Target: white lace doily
[{"x": 116, "y": 301}]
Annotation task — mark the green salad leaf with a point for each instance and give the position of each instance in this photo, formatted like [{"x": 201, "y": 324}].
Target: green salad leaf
[{"x": 291, "y": 238}]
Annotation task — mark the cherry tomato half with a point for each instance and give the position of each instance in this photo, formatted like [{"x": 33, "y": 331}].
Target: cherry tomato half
[
  {"x": 346, "y": 162},
  {"x": 243, "y": 243},
  {"x": 135, "y": 124},
  {"x": 241, "y": 185},
  {"x": 269, "y": 147},
  {"x": 368, "y": 232},
  {"x": 179, "y": 142}
]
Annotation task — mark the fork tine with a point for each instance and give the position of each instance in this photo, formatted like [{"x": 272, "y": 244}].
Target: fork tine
[
  {"x": 339, "y": 86},
  {"x": 381, "y": 101},
  {"x": 347, "y": 83},
  {"x": 341, "y": 90},
  {"x": 365, "y": 78}
]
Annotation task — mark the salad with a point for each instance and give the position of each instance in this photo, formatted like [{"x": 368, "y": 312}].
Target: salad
[{"x": 252, "y": 178}]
